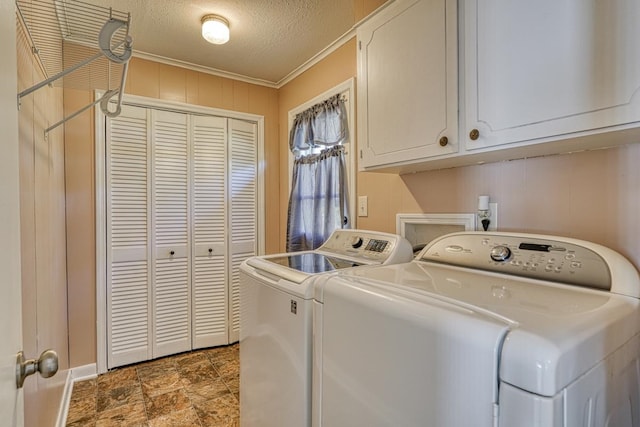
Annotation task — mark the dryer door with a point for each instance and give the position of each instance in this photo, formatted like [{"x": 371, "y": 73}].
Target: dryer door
[{"x": 395, "y": 357}]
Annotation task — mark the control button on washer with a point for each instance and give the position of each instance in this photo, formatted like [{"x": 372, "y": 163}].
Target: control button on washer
[{"x": 500, "y": 253}]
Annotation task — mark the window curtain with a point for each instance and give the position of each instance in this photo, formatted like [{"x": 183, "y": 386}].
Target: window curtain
[
  {"x": 319, "y": 201},
  {"x": 323, "y": 125}
]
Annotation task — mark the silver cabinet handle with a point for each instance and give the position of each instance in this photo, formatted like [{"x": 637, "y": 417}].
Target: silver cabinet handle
[{"x": 47, "y": 365}]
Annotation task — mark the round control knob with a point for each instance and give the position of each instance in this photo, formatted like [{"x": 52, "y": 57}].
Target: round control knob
[
  {"x": 356, "y": 242},
  {"x": 500, "y": 253}
]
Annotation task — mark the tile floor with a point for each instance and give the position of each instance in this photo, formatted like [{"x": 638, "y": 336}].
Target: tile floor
[{"x": 195, "y": 389}]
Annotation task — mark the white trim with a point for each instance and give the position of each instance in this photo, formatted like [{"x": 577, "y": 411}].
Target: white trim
[
  {"x": 466, "y": 220},
  {"x": 101, "y": 242},
  {"x": 100, "y": 202},
  {"x": 84, "y": 372},
  {"x": 348, "y": 87},
  {"x": 161, "y": 104},
  {"x": 342, "y": 40},
  {"x": 63, "y": 410},
  {"x": 260, "y": 186},
  {"x": 74, "y": 375},
  {"x": 203, "y": 69}
]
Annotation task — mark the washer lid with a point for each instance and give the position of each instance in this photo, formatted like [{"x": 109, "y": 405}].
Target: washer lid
[
  {"x": 557, "y": 332},
  {"x": 297, "y": 267}
]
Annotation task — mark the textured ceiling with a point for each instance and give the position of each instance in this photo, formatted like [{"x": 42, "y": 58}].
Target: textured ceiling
[{"x": 269, "y": 38}]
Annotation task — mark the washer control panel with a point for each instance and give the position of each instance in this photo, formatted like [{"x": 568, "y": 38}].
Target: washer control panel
[
  {"x": 526, "y": 255},
  {"x": 369, "y": 245}
]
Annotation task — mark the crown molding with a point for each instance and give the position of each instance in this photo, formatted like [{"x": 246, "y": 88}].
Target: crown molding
[{"x": 261, "y": 82}]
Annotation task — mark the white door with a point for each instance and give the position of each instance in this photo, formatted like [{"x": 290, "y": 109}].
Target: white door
[
  {"x": 128, "y": 228},
  {"x": 243, "y": 209},
  {"x": 209, "y": 260},
  {"x": 11, "y": 402},
  {"x": 171, "y": 277}
]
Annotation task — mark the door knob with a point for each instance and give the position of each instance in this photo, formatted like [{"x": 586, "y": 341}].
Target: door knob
[{"x": 47, "y": 365}]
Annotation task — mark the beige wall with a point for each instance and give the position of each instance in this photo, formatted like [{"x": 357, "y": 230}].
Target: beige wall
[
  {"x": 589, "y": 195},
  {"x": 42, "y": 238},
  {"x": 159, "y": 81}
]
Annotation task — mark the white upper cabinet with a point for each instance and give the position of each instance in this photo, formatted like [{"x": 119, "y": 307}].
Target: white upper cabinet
[
  {"x": 408, "y": 84},
  {"x": 537, "y": 78},
  {"x": 547, "y": 71}
]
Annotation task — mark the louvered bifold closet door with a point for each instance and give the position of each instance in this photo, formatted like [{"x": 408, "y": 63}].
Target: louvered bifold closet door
[
  {"x": 171, "y": 247},
  {"x": 128, "y": 229},
  {"x": 209, "y": 266},
  {"x": 243, "y": 209}
]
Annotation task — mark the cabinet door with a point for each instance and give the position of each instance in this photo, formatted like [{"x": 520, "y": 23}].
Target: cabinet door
[
  {"x": 548, "y": 69},
  {"x": 243, "y": 187},
  {"x": 209, "y": 284},
  {"x": 128, "y": 230},
  {"x": 171, "y": 270},
  {"x": 407, "y": 83}
]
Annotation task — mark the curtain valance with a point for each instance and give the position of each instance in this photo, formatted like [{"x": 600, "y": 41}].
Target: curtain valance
[{"x": 324, "y": 124}]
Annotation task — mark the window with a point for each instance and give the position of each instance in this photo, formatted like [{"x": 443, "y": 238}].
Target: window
[{"x": 321, "y": 168}]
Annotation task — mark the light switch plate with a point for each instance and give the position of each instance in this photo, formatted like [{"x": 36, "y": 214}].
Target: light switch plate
[{"x": 363, "y": 202}]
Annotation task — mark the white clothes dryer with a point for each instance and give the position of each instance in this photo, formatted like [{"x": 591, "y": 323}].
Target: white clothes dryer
[
  {"x": 481, "y": 330},
  {"x": 276, "y": 294}
]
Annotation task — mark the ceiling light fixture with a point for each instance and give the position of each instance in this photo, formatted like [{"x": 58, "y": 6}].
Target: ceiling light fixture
[{"x": 215, "y": 29}]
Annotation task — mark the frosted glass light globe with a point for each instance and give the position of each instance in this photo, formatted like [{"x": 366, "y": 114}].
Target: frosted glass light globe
[{"x": 215, "y": 29}]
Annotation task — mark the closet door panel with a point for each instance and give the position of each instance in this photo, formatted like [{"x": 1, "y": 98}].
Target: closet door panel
[
  {"x": 243, "y": 209},
  {"x": 209, "y": 281},
  {"x": 171, "y": 272},
  {"x": 128, "y": 267}
]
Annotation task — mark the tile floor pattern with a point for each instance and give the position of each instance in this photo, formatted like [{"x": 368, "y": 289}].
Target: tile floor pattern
[{"x": 195, "y": 389}]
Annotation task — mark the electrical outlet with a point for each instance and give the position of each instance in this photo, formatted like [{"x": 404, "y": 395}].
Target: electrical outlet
[
  {"x": 493, "y": 219},
  {"x": 363, "y": 201}
]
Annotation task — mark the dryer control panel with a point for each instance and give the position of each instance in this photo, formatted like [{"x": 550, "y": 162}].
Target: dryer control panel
[
  {"x": 374, "y": 246},
  {"x": 566, "y": 261}
]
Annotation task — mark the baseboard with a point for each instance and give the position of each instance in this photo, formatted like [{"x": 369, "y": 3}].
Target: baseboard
[
  {"x": 74, "y": 375},
  {"x": 85, "y": 372},
  {"x": 64, "y": 402}
]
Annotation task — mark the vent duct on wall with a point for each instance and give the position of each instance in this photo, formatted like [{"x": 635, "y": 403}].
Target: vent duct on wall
[{"x": 78, "y": 45}]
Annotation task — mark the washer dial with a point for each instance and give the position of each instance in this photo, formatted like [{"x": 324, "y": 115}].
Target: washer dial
[
  {"x": 500, "y": 253},
  {"x": 356, "y": 242}
]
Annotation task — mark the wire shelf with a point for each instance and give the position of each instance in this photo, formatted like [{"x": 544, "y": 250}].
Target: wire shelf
[{"x": 78, "y": 45}]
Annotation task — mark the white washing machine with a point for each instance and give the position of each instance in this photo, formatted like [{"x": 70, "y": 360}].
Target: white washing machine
[
  {"x": 276, "y": 294},
  {"x": 481, "y": 330}
]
